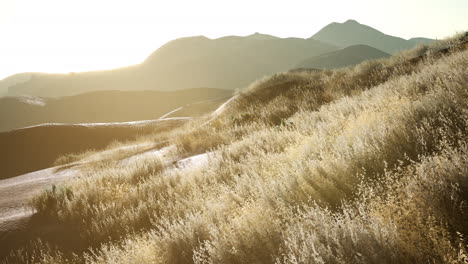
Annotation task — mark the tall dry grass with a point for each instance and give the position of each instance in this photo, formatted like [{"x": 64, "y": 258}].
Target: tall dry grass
[{"x": 360, "y": 165}]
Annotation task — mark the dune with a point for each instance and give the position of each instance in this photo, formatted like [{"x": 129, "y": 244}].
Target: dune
[
  {"x": 37, "y": 147},
  {"x": 107, "y": 106}
]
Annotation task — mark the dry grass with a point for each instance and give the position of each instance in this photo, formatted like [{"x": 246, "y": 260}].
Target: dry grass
[
  {"x": 73, "y": 157},
  {"x": 361, "y": 165}
]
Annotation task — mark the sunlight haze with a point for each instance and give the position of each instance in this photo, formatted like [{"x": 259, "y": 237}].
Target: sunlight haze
[
  {"x": 72, "y": 36},
  {"x": 204, "y": 132}
]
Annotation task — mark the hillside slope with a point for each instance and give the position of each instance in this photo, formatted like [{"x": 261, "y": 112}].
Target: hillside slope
[
  {"x": 106, "y": 106},
  {"x": 344, "y": 57},
  {"x": 358, "y": 165},
  {"x": 352, "y": 32}
]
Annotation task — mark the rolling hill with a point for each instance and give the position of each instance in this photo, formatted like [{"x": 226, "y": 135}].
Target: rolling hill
[
  {"x": 38, "y": 147},
  {"x": 352, "y": 32},
  {"x": 12, "y": 80},
  {"x": 107, "y": 106},
  {"x": 344, "y": 57}
]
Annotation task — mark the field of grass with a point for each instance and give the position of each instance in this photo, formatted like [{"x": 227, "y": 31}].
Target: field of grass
[{"x": 367, "y": 164}]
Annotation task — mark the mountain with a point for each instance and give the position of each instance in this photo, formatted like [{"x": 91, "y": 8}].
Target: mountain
[
  {"x": 344, "y": 57},
  {"x": 352, "y": 32},
  {"x": 229, "y": 63},
  {"x": 107, "y": 106},
  {"x": 258, "y": 35}
]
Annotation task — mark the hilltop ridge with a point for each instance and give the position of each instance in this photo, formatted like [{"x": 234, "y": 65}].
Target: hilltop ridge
[
  {"x": 230, "y": 62},
  {"x": 352, "y": 32},
  {"x": 348, "y": 56}
]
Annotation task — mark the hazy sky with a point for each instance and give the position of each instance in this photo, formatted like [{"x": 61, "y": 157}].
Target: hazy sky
[{"x": 80, "y": 35}]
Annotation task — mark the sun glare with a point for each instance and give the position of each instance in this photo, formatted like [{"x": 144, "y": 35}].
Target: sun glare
[
  {"x": 63, "y": 36},
  {"x": 246, "y": 131}
]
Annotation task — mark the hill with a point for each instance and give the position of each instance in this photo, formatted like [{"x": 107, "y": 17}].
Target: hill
[
  {"x": 352, "y": 32},
  {"x": 418, "y": 41},
  {"x": 12, "y": 80},
  {"x": 38, "y": 147},
  {"x": 228, "y": 63},
  {"x": 342, "y": 58},
  {"x": 358, "y": 165},
  {"x": 106, "y": 106}
]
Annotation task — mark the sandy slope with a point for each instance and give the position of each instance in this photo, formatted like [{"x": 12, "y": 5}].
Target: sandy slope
[
  {"x": 37, "y": 147},
  {"x": 18, "y": 224},
  {"x": 16, "y": 191}
]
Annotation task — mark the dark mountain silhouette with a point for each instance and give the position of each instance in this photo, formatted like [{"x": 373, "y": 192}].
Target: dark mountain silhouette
[
  {"x": 353, "y": 33},
  {"x": 228, "y": 62},
  {"x": 107, "y": 106},
  {"x": 344, "y": 57}
]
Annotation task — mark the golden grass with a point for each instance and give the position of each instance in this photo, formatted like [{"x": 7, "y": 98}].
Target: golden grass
[{"x": 360, "y": 165}]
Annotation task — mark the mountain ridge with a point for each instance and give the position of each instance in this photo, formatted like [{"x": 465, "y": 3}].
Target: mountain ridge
[
  {"x": 352, "y": 32},
  {"x": 229, "y": 62}
]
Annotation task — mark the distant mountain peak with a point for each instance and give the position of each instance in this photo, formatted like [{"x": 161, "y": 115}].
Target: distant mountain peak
[
  {"x": 258, "y": 35},
  {"x": 352, "y": 32},
  {"x": 352, "y": 21}
]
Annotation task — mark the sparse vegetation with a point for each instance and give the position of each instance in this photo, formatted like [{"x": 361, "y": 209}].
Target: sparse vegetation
[
  {"x": 72, "y": 157},
  {"x": 367, "y": 164}
]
